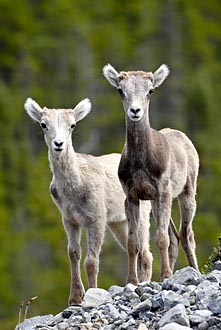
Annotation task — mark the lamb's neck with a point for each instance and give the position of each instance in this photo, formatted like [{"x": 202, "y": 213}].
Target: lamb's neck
[
  {"x": 64, "y": 164},
  {"x": 139, "y": 139}
]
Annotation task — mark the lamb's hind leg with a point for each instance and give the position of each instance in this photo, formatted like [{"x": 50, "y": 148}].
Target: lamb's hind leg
[
  {"x": 187, "y": 204},
  {"x": 74, "y": 253},
  {"x": 145, "y": 256},
  {"x": 161, "y": 208},
  {"x": 120, "y": 232},
  {"x": 133, "y": 244},
  {"x": 174, "y": 244}
]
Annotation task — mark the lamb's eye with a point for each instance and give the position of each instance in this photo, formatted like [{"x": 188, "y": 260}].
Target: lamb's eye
[
  {"x": 120, "y": 92},
  {"x": 151, "y": 91},
  {"x": 43, "y": 125},
  {"x": 73, "y": 126}
]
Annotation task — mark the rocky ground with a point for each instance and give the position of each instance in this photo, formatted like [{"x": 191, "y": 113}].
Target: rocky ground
[{"x": 188, "y": 300}]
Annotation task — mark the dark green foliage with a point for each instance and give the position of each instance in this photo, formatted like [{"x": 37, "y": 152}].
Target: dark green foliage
[
  {"x": 215, "y": 256},
  {"x": 54, "y": 52}
]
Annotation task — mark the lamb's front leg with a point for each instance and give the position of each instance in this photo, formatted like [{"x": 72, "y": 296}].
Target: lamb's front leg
[
  {"x": 95, "y": 239},
  {"x": 161, "y": 208},
  {"x": 74, "y": 253},
  {"x": 133, "y": 245}
]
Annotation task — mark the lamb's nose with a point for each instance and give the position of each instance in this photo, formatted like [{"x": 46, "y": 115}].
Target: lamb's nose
[
  {"x": 58, "y": 143},
  {"x": 135, "y": 110}
]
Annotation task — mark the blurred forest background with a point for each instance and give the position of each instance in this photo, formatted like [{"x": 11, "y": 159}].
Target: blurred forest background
[{"x": 54, "y": 52}]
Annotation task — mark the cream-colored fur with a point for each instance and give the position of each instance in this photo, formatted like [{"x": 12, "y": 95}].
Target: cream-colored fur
[{"x": 87, "y": 191}]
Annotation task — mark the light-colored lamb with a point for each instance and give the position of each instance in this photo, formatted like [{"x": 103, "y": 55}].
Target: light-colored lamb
[
  {"x": 156, "y": 166},
  {"x": 87, "y": 191}
]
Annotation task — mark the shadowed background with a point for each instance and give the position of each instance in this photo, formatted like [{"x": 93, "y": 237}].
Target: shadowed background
[{"x": 54, "y": 52}]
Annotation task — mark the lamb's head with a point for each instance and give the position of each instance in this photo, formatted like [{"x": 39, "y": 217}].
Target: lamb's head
[
  {"x": 57, "y": 124},
  {"x": 135, "y": 88}
]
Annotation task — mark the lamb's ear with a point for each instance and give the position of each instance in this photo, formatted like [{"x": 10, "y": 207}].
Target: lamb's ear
[
  {"x": 82, "y": 109},
  {"x": 111, "y": 75},
  {"x": 160, "y": 75},
  {"x": 33, "y": 109}
]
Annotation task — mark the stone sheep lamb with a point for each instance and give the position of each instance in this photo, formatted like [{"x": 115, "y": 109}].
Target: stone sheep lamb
[
  {"x": 156, "y": 166},
  {"x": 87, "y": 191}
]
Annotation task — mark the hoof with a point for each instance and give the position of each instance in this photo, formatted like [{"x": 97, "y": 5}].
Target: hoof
[
  {"x": 75, "y": 300},
  {"x": 166, "y": 274}
]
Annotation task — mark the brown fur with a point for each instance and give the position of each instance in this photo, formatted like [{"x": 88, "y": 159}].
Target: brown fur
[
  {"x": 126, "y": 75},
  {"x": 158, "y": 166}
]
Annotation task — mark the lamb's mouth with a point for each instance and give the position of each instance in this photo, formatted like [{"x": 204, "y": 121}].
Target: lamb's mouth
[
  {"x": 135, "y": 118},
  {"x": 58, "y": 149}
]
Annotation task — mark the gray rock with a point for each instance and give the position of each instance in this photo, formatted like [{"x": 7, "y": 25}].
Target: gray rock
[
  {"x": 168, "y": 284},
  {"x": 155, "y": 285},
  {"x": 129, "y": 291},
  {"x": 87, "y": 317},
  {"x": 176, "y": 314},
  {"x": 145, "y": 296},
  {"x": 58, "y": 318},
  {"x": 143, "y": 284},
  {"x": 31, "y": 323},
  {"x": 207, "y": 292},
  {"x": 123, "y": 316},
  {"x": 172, "y": 298},
  {"x": 111, "y": 311},
  {"x": 203, "y": 313},
  {"x": 200, "y": 317},
  {"x": 196, "y": 319},
  {"x": 143, "y": 306},
  {"x": 186, "y": 276},
  {"x": 212, "y": 321},
  {"x": 130, "y": 288},
  {"x": 203, "y": 326},
  {"x": 96, "y": 313},
  {"x": 186, "y": 298},
  {"x": 95, "y": 297},
  {"x": 76, "y": 319},
  {"x": 115, "y": 290},
  {"x": 96, "y": 325},
  {"x": 217, "y": 265},
  {"x": 141, "y": 290},
  {"x": 124, "y": 308},
  {"x": 63, "y": 326},
  {"x": 129, "y": 324},
  {"x": 108, "y": 327},
  {"x": 71, "y": 310},
  {"x": 191, "y": 288},
  {"x": 158, "y": 301},
  {"x": 214, "y": 276},
  {"x": 174, "y": 326},
  {"x": 215, "y": 306}
]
